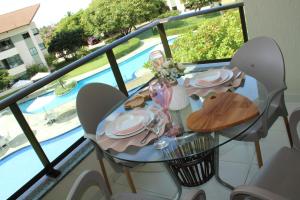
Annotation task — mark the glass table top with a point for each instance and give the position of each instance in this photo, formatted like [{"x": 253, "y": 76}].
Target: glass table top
[{"x": 193, "y": 143}]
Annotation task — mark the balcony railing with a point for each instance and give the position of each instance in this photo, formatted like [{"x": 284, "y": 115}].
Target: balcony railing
[{"x": 11, "y": 101}]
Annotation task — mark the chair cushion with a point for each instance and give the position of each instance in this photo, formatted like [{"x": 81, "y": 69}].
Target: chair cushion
[
  {"x": 282, "y": 174},
  {"x": 134, "y": 196}
]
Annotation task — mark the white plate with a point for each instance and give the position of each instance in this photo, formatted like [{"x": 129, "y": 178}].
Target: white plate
[
  {"x": 119, "y": 123},
  {"x": 226, "y": 75}
]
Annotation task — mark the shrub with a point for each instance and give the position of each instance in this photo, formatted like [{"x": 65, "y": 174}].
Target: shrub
[
  {"x": 181, "y": 30},
  {"x": 4, "y": 79},
  {"x": 82, "y": 52},
  {"x": 218, "y": 38},
  {"x": 214, "y": 39},
  {"x": 50, "y": 59},
  {"x": 34, "y": 69},
  {"x": 168, "y": 14},
  {"x": 64, "y": 88}
]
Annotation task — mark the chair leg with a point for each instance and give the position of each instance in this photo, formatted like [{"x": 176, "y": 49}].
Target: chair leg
[
  {"x": 129, "y": 179},
  {"x": 288, "y": 130},
  {"x": 258, "y": 154},
  {"x": 105, "y": 175}
]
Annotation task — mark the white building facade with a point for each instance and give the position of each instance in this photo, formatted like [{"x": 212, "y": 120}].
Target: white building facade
[
  {"x": 176, "y": 5},
  {"x": 21, "y": 47}
]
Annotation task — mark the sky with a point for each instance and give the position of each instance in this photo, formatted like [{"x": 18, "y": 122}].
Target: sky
[{"x": 50, "y": 12}]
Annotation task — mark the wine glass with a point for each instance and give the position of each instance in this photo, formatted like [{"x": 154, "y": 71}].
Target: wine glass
[
  {"x": 161, "y": 93},
  {"x": 156, "y": 58}
]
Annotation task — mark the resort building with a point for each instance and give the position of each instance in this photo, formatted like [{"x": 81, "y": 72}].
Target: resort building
[
  {"x": 175, "y": 5},
  {"x": 20, "y": 41}
]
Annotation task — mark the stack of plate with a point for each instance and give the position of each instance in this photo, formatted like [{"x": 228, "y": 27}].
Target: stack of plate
[
  {"x": 129, "y": 124},
  {"x": 211, "y": 78}
]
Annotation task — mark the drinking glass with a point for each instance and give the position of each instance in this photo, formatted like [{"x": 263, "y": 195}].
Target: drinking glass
[
  {"x": 161, "y": 93},
  {"x": 156, "y": 58}
]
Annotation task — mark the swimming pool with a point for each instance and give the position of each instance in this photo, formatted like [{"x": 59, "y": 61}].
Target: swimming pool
[
  {"x": 127, "y": 69},
  {"x": 19, "y": 167}
]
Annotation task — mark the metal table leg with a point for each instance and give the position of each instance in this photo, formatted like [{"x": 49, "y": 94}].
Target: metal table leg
[
  {"x": 178, "y": 185},
  {"x": 217, "y": 175}
]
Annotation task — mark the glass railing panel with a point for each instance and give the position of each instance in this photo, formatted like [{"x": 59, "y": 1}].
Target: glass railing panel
[
  {"x": 51, "y": 111},
  {"x": 206, "y": 37},
  {"x": 132, "y": 58},
  {"x": 18, "y": 161}
]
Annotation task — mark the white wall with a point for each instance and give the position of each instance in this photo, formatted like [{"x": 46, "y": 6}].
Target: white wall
[
  {"x": 21, "y": 69},
  {"x": 23, "y": 50},
  {"x": 8, "y": 53},
  {"x": 279, "y": 19}
]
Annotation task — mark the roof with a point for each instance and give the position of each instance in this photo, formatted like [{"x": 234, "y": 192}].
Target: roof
[{"x": 17, "y": 18}]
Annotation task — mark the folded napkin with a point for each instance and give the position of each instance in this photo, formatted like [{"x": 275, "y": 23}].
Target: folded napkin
[
  {"x": 233, "y": 83},
  {"x": 121, "y": 145}
]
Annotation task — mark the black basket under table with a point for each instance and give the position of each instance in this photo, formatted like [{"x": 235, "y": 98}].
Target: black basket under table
[{"x": 192, "y": 168}]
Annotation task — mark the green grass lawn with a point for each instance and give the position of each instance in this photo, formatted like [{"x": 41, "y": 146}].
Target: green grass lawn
[
  {"x": 179, "y": 26},
  {"x": 100, "y": 61}
]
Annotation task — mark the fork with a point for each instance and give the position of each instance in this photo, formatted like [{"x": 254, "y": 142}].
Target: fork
[{"x": 150, "y": 129}]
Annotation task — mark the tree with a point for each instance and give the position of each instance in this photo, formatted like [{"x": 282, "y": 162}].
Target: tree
[
  {"x": 47, "y": 33},
  {"x": 4, "y": 79},
  {"x": 198, "y": 4},
  {"x": 121, "y": 16},
  {"x": 70, "y": 22},
  {"x": 66, "y": 42}
]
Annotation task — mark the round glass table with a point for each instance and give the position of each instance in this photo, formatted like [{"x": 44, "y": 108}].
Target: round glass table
[
  {"x": 185, "y": 151},
  {"x": 250, "y": 88}
]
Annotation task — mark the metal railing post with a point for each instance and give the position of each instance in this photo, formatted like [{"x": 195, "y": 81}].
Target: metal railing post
[
  {"x": 32, "y": 140},
  {"x": 115, "y": 68},
  {"x": 243, "y": 23},
  {"x": 164, "y": 40}
]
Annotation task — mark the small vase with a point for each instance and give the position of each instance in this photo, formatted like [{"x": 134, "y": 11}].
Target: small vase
[{"x": 179, "y": 98}]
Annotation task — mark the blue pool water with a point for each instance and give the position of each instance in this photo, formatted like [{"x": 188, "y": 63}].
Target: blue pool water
[{"x": 19, "y": 167}]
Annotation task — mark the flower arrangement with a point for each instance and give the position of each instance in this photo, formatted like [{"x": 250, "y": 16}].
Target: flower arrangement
[{"x": 169, "y": 70}]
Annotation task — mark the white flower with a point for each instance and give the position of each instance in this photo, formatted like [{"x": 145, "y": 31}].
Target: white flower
[
  {"x": 170, "y": 70},
  {"x": 181, "y": 67}
]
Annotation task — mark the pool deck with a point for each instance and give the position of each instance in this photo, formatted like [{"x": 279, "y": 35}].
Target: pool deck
[{"x": 65, "y": 115}]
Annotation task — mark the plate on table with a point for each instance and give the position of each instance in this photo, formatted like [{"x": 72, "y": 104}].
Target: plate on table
[
  {"x": 129, "y": 123},
  {"x": 212, "y": 79}
]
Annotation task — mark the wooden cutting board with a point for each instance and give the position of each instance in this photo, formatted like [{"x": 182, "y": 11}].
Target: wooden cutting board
[{"x": 220, "y": 111}]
